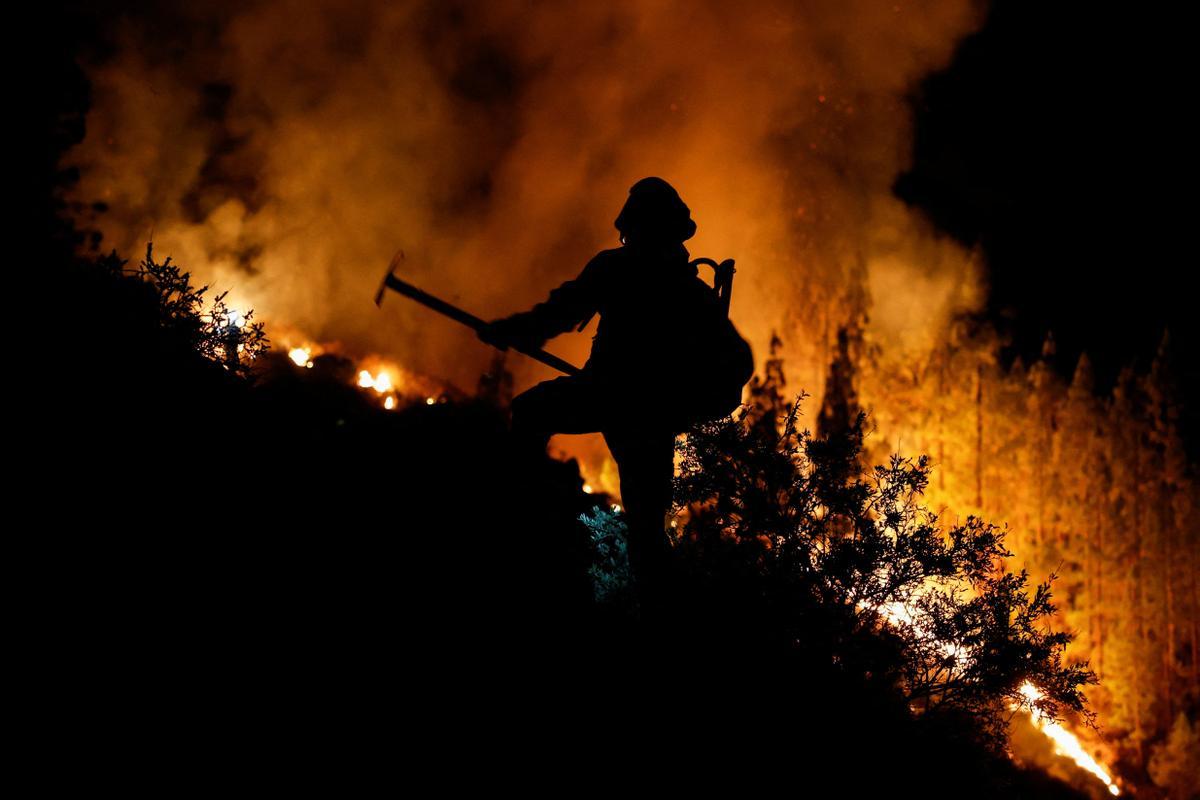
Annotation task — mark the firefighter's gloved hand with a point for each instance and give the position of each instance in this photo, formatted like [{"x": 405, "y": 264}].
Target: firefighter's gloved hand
[
  {"x": 493, "y": 333},
  {"x": 509, "y": 332}
]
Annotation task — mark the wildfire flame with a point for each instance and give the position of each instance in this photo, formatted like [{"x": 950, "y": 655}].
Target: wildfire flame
[
  {"x": 1065, "y": 742},
  {"x": 301, "y": 356},
  {"x": 381, "y": 383},
  {"x": 394, "y": 385}
]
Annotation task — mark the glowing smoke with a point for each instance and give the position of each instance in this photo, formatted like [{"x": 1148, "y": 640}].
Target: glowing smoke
[{"x": 286, "y": 150}]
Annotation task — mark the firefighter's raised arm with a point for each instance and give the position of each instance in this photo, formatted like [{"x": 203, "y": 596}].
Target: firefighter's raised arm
[{"x": 572, "y": 303}]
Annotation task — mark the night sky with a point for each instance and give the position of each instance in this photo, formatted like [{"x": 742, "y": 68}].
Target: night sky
[{"x": 1057, "y": 142}]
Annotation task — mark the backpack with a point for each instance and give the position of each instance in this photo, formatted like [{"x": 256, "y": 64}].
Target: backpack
[{"x": 727, "y": 362}]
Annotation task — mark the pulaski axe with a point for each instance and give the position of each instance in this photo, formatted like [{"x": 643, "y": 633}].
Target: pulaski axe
[{"x": 390, "y": 281}]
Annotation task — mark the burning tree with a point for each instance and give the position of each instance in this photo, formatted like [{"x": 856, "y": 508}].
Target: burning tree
[{"x": 850, "y": 567}]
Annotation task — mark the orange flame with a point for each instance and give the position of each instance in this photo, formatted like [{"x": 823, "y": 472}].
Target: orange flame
[
  {"x": 301, "y": 356},
  {"x": 1065, "y": 742}
]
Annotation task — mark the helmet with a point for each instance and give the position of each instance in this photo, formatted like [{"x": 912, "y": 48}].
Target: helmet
[{"x": 654, "y": 213}]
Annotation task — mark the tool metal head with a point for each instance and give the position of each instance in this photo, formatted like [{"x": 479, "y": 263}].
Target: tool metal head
[{"x": 391, "y": 270}]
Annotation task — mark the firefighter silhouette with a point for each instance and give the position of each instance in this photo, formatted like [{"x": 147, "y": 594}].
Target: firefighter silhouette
[{"x": 664, "y": 356}]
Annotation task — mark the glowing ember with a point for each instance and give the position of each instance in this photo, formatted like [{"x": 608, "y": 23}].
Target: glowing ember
[
  {"x": 587, "y": 488},
  {"x": 393, "y": 385},
  {"x": 1065, "y": 743},
  {"x": 301, "y": 356},
  {"x": 380, "y": 383}
]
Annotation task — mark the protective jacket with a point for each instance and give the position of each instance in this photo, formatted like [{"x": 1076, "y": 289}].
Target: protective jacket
[{"x": 663, "y": 336}]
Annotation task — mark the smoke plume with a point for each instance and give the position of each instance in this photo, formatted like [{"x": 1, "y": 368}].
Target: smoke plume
[{"x": 286, "y": 150}]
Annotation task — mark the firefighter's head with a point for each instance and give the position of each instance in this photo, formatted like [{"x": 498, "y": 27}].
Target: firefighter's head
[{"x": 654, "y": 215}]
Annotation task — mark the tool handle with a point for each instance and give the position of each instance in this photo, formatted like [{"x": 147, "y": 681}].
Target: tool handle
[
  {"x": 473, "y": 322},
  {"x": 550, "y": 360},
  {"x": 441, "y": 306}
]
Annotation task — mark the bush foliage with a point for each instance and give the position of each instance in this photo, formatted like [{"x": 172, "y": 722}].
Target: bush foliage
[
  {"x": 218, "y": 333},
  {"x": 845, "y": 564}
]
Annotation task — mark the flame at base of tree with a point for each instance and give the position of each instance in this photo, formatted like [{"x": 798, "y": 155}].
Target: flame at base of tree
[{"x": 1065, "y": 743}]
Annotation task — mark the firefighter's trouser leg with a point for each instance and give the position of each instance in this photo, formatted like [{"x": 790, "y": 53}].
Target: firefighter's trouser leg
[
  {"x": 564, "y": 405},
  {"x": 644, "y": 455},
  {"x": 646, "y": 465}
]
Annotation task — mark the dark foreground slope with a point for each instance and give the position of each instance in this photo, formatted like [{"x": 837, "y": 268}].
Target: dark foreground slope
[{"x": 280, "y": 585}]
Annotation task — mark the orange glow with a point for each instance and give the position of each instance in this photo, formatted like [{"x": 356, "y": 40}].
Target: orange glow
[
  {"x": 788, "y": 179},
  {"x": 1065, "y": 742},
  {"x": 381, "y": 383},
  {"x": 301, "y": 356}
]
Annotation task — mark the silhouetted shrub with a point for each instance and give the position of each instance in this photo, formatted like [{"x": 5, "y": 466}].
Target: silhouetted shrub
[
  {"x": 847, "y": 567},
  {"x": 219, "y": 333}
]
